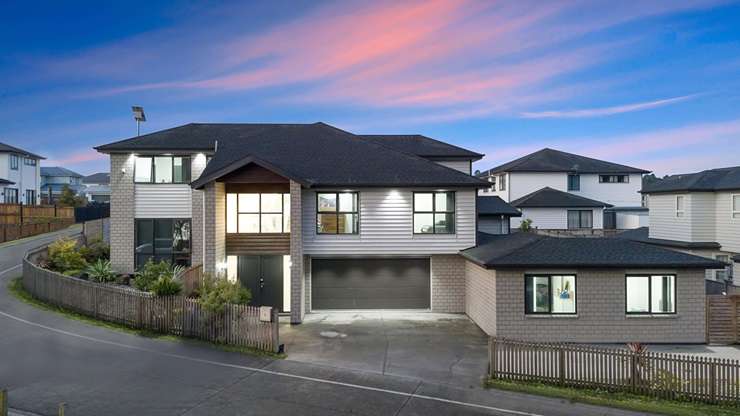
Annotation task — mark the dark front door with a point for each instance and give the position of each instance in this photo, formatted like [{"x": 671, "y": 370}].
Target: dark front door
[
  {"x": 370, "y": 283},
  {"x": 263, "y": 276}
]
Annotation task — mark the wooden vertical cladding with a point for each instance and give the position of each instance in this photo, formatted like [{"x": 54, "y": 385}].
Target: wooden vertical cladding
[
  {"x": 244, "y": 244},
  {"x": 254, "y": 174}
]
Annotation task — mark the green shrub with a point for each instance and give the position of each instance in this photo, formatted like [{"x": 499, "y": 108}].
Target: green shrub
[
  {"x": 166, "y": 285},
  {"x": 64, "y": 257},
  {"x": 526, "y": 225},
  {"x": 95, "y": 249},
  {"x": 214, "y": 293},
  {"x": 149, "y": 273},
  {"x": 101, "y": 271}
]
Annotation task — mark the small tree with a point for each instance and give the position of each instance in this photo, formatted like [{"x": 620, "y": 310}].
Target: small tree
[
  {"x": 68, "y": 198},
  {"x": 526, "y": 225}
]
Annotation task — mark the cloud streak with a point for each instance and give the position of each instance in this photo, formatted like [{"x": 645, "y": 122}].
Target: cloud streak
[{"x": 607, "y": 111}]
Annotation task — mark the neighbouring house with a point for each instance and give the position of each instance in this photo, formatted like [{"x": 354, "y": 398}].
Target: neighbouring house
[
  {"x": 310, "y": 217},
  {"x": 54, "y": 179},
  {"x": 697, "y": 213},
  {"x": 97, "y": 187},
  {"x": 559, "y": 190},
  {"x": 307, "y": 216},
  {"x": 494, "y": 215},
  {"x": 534, "y": 287},
  {"x": 20, "y": 178}
]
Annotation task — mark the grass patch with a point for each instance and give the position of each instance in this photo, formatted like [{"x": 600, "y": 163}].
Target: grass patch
[
  {"x": 620, "y": 400},
  {"x": 15, "y": 287}
]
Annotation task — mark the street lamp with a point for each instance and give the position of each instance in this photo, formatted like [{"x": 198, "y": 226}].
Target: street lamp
[{"x": 139, "y": 117}]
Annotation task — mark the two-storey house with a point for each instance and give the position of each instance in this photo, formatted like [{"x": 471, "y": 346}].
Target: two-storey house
[
  {"x": 97, "y": 187},
  {"x": 307, "y": 216},
  {"x": 55, "y": 178},
  {"x": 20, "y": 177},
  {"x": 697, "y": 213},
  {"x": 559, "y": 190}
]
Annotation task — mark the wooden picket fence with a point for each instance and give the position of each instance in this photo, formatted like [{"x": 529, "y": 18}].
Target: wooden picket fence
[
  {"x": 655, "y": 374},
  {"x": 23, "y": 214},
  {"x": 238, "y": 325}
]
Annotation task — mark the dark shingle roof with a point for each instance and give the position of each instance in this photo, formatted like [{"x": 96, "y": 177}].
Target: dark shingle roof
[
  {"x": 58, "y": 171},
  {"x": 493, "y": 205},
  {"x": 422, "y": 146},
  {"x": 520, "y": 250},
  {"x": 550, "y": 160},
  {"x": 6, "y": 182},
  {"x": 552, "y": 198},
  {"x": 100, "y": 177},
  {"x": 6, "y": 148},
  {"x": 722, "y": 179},
  {"x": 312, "y": 154},
  {"x": 642, "y": 235}
]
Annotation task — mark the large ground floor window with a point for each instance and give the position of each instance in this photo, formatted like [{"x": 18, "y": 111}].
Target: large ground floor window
[
  {"x": 162, "y": 239},
  {"x": 582, "y": 218},
  {"x": 651, "y": 294},
  {"x": 550, "y": 294}
]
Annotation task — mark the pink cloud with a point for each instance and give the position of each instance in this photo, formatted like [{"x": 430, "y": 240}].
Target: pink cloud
[{"x": 76, "y": 158}]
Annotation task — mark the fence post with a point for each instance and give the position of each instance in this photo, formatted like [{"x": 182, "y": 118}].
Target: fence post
[
  {"x": 492, "y": 357},
  {"x": 561, "y": 365},
  {"x": 275, "y": 322},
  {"x": 61, "y": 408},
  {"x": 633, "y": 372},
  {"x": 712, "y": 381},
  {"x": 3, "y": 402}
]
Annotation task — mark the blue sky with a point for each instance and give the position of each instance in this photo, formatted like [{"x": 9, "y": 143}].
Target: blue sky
[{"x": 653, "y": 84}]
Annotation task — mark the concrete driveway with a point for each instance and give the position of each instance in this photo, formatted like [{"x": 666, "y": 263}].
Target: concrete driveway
[{"x": 444, "y": 348}]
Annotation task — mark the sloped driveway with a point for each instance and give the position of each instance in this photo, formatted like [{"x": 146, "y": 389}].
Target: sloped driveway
[{"x": 444, "y": 348}]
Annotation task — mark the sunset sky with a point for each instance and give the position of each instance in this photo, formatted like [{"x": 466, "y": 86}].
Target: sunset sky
[{"x": 653, "y": 84}]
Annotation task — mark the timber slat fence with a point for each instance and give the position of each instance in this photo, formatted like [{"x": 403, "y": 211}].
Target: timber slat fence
[
  {"x": 663, "y": 375},
  {"x": 238, "y": 325},
  {"x": 723, "y": 319}
]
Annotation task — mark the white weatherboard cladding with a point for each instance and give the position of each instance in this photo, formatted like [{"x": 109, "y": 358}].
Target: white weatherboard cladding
[
  {"x": 617, "y": 194},
  {"x": 461, "y": 165},
  {"x": 728, "y": 228},
  {"x": 704, "y": 219},
  {"x": 493, "y": 225},
  {"x": 386, "y": 227},
  {"x": 524, "y": 183},
  {"x": 162, "y": 201},
  {"x": 663, "y": 221},
  {"x": 630, "y": 220},
  {"x": 555, "y": 218}
]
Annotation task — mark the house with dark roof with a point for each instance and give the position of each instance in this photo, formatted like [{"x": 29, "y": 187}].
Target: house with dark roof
[
  {"x": 97, "y": 187},
  {"x": 308, "y": 216},
  {"x": 559, "y": 190},
  {"x": 55, "y": 178},
  {"x": 697, "y": 213},
  {"x": 494, "y": 215},
  {"x": 591, "y": 290},
  {"x": 20, "y": 177}
]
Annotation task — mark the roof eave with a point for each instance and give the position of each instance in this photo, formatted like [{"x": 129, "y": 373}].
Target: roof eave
[{"x": 203, "y": 180}]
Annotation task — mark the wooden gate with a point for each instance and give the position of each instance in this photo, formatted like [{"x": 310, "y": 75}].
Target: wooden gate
[{"x": 723, "y": 319}]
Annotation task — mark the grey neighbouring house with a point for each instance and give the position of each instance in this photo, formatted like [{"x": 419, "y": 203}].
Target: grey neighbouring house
[
  {"x": 311, "y": 217},
  {"x": 55, "y": 178},
  {"x": 97, "y": 187},
  {"x": 564, "y": 191}
]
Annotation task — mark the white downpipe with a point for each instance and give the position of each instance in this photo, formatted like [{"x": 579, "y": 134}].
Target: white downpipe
[{"x": 203, "y": 225}]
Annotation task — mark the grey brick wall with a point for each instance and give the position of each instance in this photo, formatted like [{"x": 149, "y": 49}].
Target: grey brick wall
[
  {"x": 215, "y": 225},
  {"x": 600, "y": 296},
  {"x": 297, "y": 276},
  {"x": 122, "y": 212},
  {"x": 196, "y": 245},
  {"x": 480, "y": 296},
  {"x": 448, "y": 283}
]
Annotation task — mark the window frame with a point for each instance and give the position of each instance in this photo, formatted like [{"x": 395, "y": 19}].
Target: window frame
[
  {"x": 153, "y": 174},
  {"x": 337, "y": 212},
  {"x": 680, "y": 213},
  {"x": 14, "y": 162},
  {"x": 15, "y": 191},
  {"x": 650, "y": 294},
  {"x": 577, "y": 182},
  {"x": 32, "y": 193},
  {"x": 734, "y": 210},
  {"x": 259, "y": 213},
  {"x": 153, "y": 254},
  {"x": 549, "y": 292},
  {"x": 614, "y": 175},
  {"x": 502, "y": 182},
  {"x": 29, "y": 161},
  {"x": 724, "y": 258},
  {"x": 580, "y": 219},
  {"x": 434, "y": 211}
]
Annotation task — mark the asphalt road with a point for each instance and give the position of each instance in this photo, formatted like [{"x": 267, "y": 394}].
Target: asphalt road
[{"x": 46, "y": 359}]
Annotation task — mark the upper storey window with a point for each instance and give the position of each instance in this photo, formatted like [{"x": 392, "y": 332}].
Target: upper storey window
[
  {"x": 337, "y": 213},
  {"x": 434, "y": 212},
  {"x": 162, "y": 169},
  {"x": 257, "y": 213},
  {"x": 614, "y": 178},
  {"x": 14, "y": 162}
]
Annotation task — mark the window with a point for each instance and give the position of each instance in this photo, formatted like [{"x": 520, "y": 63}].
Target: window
[
  {"x": 253, "y": 213},
  {"x": 502, "y": 182},
  {"x": 14, "y": 162},
  {"x": 550, "y": 294},
  {"x": 679, "y": 206},
  {"x": 580, "y": 219},
  {"x": 736, "y": 207},
  {"x": 574, "y": 182},
  {"x": 651, "y": 294},
  {"x": 337, "y": 213},
  {"x": 30, "y": 197},
  {"x": 614, "y": 178},
  {"x": 162, "y": 169},
  {"x": 162, "y": 239},
  {"x": 434, "y": 212},
  {"x": 11, "y": 196},
  {"x": 29, "y": 161},
  {"x": 721, "y": 275}
]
